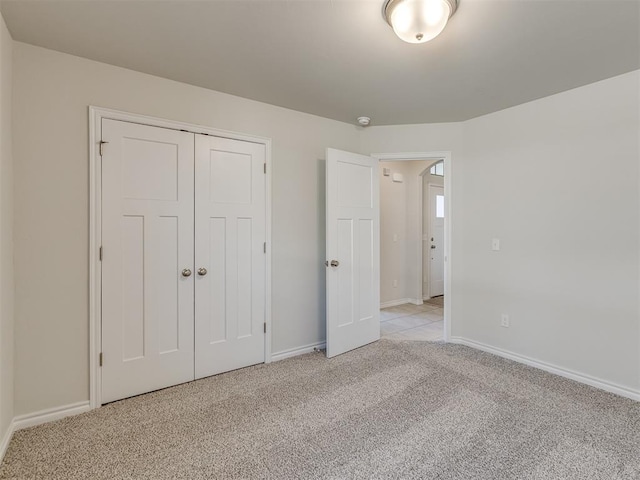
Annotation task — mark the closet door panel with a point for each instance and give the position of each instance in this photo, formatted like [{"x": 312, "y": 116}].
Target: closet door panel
[
  {"x": 147, "y": 240},
  {"x": 229, "y": 241}
]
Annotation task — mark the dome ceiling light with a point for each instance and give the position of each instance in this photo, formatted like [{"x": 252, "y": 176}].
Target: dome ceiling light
[{"x": 418, "y": 21}]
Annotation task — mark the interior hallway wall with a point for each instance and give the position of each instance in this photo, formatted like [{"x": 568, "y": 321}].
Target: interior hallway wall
[
  {"x": 6, "y": 234},
  {"x": 51, "y": 98}
]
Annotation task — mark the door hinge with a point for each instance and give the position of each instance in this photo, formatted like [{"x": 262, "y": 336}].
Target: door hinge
[
  {"x": 100, "y": 253},
  {"x": 265, "y": 327},
  {"x": 102, "y": 144},
  {"x": 264, "y": 247},
  {"x": 265, "y": 168},
  {"x": 100, "y": 358}
]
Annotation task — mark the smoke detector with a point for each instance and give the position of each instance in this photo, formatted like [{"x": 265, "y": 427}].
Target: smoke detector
[{"x": 364, "y": 121}]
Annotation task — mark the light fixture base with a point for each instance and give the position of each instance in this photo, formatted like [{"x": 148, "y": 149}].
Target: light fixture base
[
  {"x": 364, "y": 121},
  {"x": 388, "y": 4}
]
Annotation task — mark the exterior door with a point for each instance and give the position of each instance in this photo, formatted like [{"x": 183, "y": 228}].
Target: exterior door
[
  {"x": 148, "y": 245},
  {"x": 353, "y": 251},
  {"x": 230, "y": 265},
  {"x": 436, "y": 235}
]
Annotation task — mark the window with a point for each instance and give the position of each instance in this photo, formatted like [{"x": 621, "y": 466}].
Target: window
[
  {"x": 437, "y": 169},
  {"x": 439, "y": 206}
]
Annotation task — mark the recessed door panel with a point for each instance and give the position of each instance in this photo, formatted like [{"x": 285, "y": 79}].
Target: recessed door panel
[
  {"x": 147, "y": 240},
  {"x": 229, "y": 238}
]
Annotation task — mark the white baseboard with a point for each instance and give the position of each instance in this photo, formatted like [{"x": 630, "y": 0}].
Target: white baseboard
[
  {"x": 4, "y": 444},
  {"x": 49, "y": 415},
  {"x": 37, "y": 418},
  {"x": 415, "y": 301},
  {"x": 294, "y": 352},
  {"x": 547, "y": 367},
  {"x": 394, "y": 303}
]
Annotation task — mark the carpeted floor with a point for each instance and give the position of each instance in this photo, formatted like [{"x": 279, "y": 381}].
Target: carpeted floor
[{"x": 391, "y": 410}]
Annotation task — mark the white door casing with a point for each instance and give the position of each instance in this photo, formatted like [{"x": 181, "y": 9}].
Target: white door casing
[
  {"x": 353, "y": 251},
  {"x": 147, "y": 240},
  {"x": 436, "y": 240},
  {"x": 230, "y": 238}
]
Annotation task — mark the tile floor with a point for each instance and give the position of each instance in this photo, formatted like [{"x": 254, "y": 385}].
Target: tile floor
[{"x": 413, "y": 322}]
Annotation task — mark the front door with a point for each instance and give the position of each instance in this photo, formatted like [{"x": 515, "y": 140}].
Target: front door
[{"x": 436, "y": 243}]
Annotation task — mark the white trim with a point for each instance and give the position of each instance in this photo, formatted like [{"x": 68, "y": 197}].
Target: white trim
[
  {"x": 394, "y": 303},
  {"x": 4, "y": 444},
  {"x": 49, "y": 415},
  {"x": 446, "y": 158},
  {"x": 294, "y": 352},
  {"x": 548, "y": 367},
  {"x": 96, "y": 114}
]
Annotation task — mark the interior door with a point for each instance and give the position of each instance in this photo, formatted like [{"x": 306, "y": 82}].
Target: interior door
[
  {"x": 230, "y": 240},
  {"x": 147, "y": 245},
  {"x": 353, "y": 251},
  {"x": 436, "y": 248}
]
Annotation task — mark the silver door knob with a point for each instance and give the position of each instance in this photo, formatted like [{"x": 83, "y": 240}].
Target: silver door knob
[
  {"x": 202, "y": 271},
  {"x": 186, "y": 272},
  {"x": 335, "y": 263},
  {"x": 433, "y": 246}
]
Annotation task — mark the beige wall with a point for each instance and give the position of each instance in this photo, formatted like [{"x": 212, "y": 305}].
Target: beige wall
[
  {"x": 51, "y": 96},
  {"x": 6, "y": 233},
  {"x": 557, "y": 180}
]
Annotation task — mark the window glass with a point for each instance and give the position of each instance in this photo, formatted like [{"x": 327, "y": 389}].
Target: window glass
[
  {"x": 437, "y": 169},
  {"x": 439, "y": 206}
]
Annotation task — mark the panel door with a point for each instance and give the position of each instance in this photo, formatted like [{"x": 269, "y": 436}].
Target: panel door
[
  {"x": 353, "y": 251},
  {"x": 230, "y": 258},
  {"x": 147, "y": 240},
  {"x": 436, "y": 244}
]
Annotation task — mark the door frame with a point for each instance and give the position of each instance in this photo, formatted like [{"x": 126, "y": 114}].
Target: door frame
[
  {"x": 96, "y": 115},
  {"x": 446, "y": 158}
]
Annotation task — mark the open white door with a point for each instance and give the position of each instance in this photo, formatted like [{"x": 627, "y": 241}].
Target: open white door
[{"x": 353, "y": 251}]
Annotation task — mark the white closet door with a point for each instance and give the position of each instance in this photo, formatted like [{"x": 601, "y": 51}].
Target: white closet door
[
  {"x": 353, "y": 251},
  {"x": 230, "y": 258},
  {"x": 147, "y": 239}
]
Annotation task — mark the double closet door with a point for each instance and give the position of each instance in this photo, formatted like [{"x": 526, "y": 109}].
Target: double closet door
[{"x": 183, "y": 262}]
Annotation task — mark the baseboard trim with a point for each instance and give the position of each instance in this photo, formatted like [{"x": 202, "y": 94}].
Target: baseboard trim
[
  {"x": 415, "y": 301},
  {"x": 394, "y": 303},
  {"x": 294, "y": 352},
  {"x": 548, "y": 367},
  {"x": 49, "y": 415},
  {"x": 6, "y": 439}
]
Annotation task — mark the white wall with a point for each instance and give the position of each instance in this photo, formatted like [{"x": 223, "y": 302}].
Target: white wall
[
  {"x": 51, "y": 94},
  {"x": 6, "y": 234},
  {"x": 557, "y": 180}
]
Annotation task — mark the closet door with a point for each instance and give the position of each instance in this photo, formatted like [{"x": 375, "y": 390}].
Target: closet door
[
  {"x": 230, "y": 258},
  {"x": 147, "y": 240}
]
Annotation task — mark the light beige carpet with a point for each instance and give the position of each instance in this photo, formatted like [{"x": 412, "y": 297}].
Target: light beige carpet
[{"x": 405, "y": 410}]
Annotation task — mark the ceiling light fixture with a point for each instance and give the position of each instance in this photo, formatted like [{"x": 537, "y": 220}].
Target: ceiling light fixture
[{"x": 418, "y": 21}]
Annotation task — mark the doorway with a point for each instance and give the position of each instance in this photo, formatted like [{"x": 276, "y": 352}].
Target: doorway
[{"x": 413, "y": 269}]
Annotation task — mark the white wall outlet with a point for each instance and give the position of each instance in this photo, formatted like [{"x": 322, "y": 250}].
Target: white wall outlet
[
  {"x": 395, "y": 237},
  {"x": 495, "y": 244},
  {"x": 504, "y": 321},
  {"x": 395, "y": 283}
]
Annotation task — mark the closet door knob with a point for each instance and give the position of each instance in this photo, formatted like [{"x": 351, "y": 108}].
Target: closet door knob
[
  {"x": 186, "y": 272},
  {"x": 202, "y": 272}
]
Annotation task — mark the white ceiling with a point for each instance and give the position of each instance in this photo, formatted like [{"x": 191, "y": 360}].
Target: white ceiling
[{"x": 339, "y": 59}]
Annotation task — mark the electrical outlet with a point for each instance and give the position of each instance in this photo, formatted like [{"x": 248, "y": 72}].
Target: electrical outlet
[
  {"x": 395, "y": 283},
  {"x": 504, "y": 320},
  {"x": 495, "y": 244}
]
